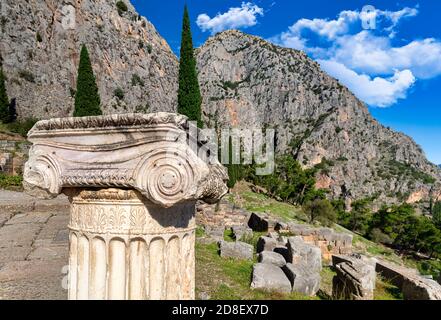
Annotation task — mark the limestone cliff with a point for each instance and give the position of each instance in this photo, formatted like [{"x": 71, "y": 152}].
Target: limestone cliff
[
  {"x": 245, "y": 81},
  {"x": 248, "y": 82},
  {"x": 40, "y": 47}
]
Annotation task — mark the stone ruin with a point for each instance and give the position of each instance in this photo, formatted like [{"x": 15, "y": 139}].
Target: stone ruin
[
  {"x": 287, "y": 265},
  {"x": 355, "y": 279},
  {"x": 329, "y": 241},
  {"x": 221, "y": 215},
  {"x": 132, "y": 182},
  {"x": 13, "y": 155},
  {"x": 412, "y": 285},
  {"x": 290, "y": 257}
]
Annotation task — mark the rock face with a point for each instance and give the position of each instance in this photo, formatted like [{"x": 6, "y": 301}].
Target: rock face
[
  {"x": 241, "y": 232},
  {"x": 303, "y": 279},
  {"x": 261, "y": 222},
  {"x": 272, "y": 258},
  {"x": 40, "y": 50},
  {"x": 421, "y": 289},
  {"x": 355, "y": 279},
  {"x": 236, "y": 250},
  {"x": 412, "y": 285},
  {"x": 248, "y": 82},
  {"x": 301, "y": 252},
  {"x": 329, "y": 241},
  {"x": 268, "y": 277},
  {"x": 266, "y": 244}
]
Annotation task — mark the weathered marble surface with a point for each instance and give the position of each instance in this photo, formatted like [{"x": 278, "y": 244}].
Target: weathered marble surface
[
  {"x": 133, "y": 181},
  {"x": 148, "y": 153}
]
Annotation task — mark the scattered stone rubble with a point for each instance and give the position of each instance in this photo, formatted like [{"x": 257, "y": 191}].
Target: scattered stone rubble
[
  {"x": 224, "y": 215},
  {"x": 300, "y": 262},
  {"x": 241, "y": 232},
  {"x": 412, "y": 285},
  {"x": 13, "y": 155},
  {"x": 290, "y": 257},
  {"x": 261, "y": 222},
  {"x": 355, "y": 279},
  {"x": 269, "y": 277},
  {"x": 236, "y": 250},
  {"x": 329, "y": 241}
]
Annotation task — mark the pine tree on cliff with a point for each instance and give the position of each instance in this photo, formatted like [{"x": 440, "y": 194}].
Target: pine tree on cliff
[
  {"x": 87, "y": 99},
  {"x": 4, "y": 100},
  {"x": 189, "y": 95}
]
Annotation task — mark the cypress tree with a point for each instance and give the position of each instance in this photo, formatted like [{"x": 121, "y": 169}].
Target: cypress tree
[
  {"x": 4, "y": 100},
  {"x": 189, "y": 95},
  {"x": 87, "y": 99},
  {"x": 234, "y": 170}
]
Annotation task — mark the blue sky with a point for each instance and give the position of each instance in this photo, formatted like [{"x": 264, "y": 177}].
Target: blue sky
[{"x": 388, "y": 54}]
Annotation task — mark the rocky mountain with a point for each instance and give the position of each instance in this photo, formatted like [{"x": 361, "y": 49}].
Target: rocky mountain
[
  {"x": 40, "y": 44},
  {"x": 248, "y": 82},
  {"x": 245, "y": 82}
]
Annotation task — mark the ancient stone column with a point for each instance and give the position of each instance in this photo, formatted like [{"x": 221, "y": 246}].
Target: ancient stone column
[{"x": 132, "y": 181}]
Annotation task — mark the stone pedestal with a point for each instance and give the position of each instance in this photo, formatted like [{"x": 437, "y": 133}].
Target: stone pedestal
[
  {"x": 133, "y": 182},
  {"x": 124, "y": 248}
]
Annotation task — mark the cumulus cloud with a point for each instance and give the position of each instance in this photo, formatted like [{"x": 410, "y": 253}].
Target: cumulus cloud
[
  {"x": 365, "y": 52},
  {"x": 346, "y": 19},
  {"x": 368, "y": 62},
  {"x": 324, "y": 27},
  {"x": 242, "y": 17},
  {"x": 381, "y": 92}
]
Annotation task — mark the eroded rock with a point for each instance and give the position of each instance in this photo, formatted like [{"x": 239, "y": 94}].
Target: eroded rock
[
  {"x": 271, "y": 278},
  {"x": 271, "y": 257},
  {"x": 236, "y": 250}
]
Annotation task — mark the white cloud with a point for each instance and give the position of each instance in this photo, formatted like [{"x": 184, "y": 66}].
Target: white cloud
[
  {"x": 371, "y": 54},
  {"x": 381, "y": 92},
  {"x": 243, "y": 17},
  {"x": 368, "y": 62},
  {"x": 331, "y": 29},
  {"x": 325, "y": 27}
]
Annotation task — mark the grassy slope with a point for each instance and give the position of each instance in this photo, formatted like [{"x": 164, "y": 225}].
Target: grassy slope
[{"x": 226, "y": 279}]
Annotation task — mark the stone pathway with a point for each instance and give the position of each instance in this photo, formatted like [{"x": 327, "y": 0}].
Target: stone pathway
[{"x": 33, "y": 247}]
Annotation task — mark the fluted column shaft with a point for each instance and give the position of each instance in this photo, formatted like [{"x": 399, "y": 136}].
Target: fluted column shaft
[{"x": 123, "y": 247}]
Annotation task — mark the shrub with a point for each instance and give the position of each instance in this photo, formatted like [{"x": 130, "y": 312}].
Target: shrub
[
  {"x": 28, "y": 76},
  {"x": 122, "y": 7},
  {"x": 149, "y": 48},
  {"x": 10, "y": 182},
  {"x": 436, "y": 214},
  {"x": 22, "y": 127},
  {"x": 378, "y": 236},
  {"x": 119, "y": 93},
  {"x": 4, "y": 100},
  {"x": 136, "y": 80},
  {"x": 39, "y": 38},
  {"x": 320, "y": 210}
]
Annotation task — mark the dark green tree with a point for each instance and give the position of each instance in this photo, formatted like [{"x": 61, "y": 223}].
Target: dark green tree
[
  {"x": 4, "y": 100},
  {"x": 320, "y": 210},
  {"x": 87, "y": 99},
  {"x": 360, "y": 216},
  {"x": 189, "y": 95},
  {"x": 436, "y": 214},
  {"x": 234, "y": 170},
  {"x": 289, "y": 182}
]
